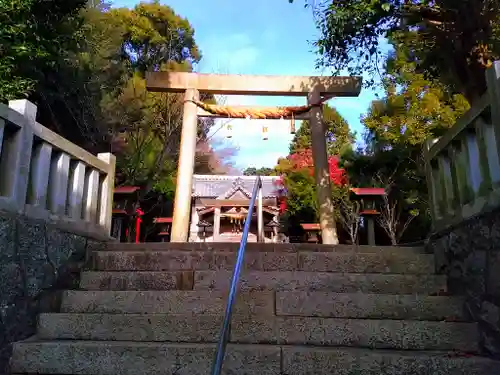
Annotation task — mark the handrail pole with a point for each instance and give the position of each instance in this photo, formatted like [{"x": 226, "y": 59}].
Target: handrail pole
[{"x": 224, "y": 334}]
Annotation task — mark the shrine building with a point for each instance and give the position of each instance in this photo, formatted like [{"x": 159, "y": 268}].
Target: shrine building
[{"x": 219, "y": 207}]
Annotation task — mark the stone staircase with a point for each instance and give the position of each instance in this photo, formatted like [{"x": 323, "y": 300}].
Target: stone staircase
[{"x": 302, "y": 309}]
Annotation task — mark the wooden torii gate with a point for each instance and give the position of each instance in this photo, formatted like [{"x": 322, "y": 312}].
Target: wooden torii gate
[{"x": 317, "y": 90}]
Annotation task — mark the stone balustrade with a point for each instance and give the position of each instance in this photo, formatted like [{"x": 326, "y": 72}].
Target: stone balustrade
[
  {"x": 55, "y": 206},
  {"x": 44, "y": 176},
  {"x": 463, "y": 166},
  {"x": 463, "y": 175}
]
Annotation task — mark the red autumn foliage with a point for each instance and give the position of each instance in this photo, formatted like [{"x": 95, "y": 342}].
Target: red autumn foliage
[{"x": 303, "y": 160}]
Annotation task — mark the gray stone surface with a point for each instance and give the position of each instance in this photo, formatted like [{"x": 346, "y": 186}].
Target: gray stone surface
[
  {"x": 128, "y": 358},
  {"x": 468, "y": 254},
  {"x": 132, "y": 321},
  {"x": 268, "y": 247},
  {"x": 369, "y": 263},
  {"x": 266, "y": 261},
  {"x": 327, "y": 361},
  {"x": 91, "y": 280},
  {"x": 165, "y": 302},
  {"x": 132, "y": 358},
  {"x": 381, "y": 334},
  {"x": 374, "y": 306},
  {"x": 36, "y": 261},
  {"x": 333, "y": 282}
]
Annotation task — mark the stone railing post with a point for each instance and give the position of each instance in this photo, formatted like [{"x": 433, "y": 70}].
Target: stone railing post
[
  {"x": 431, "y": 183},
  {"x": 492, "y": 80},
  {"x": 108, "y": 187},
  {"x": 44, "y": 176},
  {"x": 16, "y": 156}
]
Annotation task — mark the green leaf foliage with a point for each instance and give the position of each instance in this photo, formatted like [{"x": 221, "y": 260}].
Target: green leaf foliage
[
  {"x": 414, "y": 109},
  {"x": 263, "y": 171},
  {"x": 454, "y": 40},
  {"x": 339, "y": 138},
  {"x": 35, "y": 37}
]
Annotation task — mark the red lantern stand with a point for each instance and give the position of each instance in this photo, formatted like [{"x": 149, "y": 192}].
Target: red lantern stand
[{"x": 125, "y": 215}]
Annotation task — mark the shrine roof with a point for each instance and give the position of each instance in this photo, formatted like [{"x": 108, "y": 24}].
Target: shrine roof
[
  {"x": 214, "y": 186},
  {"x": 368, "y": 191},
  {"x": 126, "y": 189}
]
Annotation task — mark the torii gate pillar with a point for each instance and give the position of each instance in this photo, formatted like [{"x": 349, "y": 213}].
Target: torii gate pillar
[
  {"x": 192, "y": 83},
  {"x": 322, "y": 172},
  {"x": 185, "y": 169}
]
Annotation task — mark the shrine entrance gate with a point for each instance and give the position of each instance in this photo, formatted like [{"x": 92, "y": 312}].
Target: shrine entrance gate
[{"x": 317, "y": 90}]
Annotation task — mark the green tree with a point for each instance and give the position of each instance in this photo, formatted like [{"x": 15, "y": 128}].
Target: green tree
[
  {"x": 453, "y": 40},
  {"x": 339, "y": 138},
  {"x": 155, "y": 35},
  {"x": 263, "y": 171},
  {"x": 414, "y": 109},
  {"x": 35, "y": 38},
  {"x": 145, "y": 126},
  {"x": 93, "y": 93}
]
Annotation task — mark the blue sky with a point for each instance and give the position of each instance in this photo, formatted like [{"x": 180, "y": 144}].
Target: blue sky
[{"x": 259, "y": 37}]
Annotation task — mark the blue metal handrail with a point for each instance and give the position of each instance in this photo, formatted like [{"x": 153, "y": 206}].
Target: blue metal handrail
[{"x": 225, "y": 330}]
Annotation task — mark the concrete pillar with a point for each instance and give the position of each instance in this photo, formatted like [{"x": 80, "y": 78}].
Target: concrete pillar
[
  {"x": 107, "y": 192},
  {"x": 183, "y": 191},
  {"x": 492, "y": 81},
  {"x": 194, "y": 229},
  {"x": 40, "y": 167},
  {"x": 216, "y": 225},
  {"x": 58, "y": 184},
  {"x": 91, "y": 196},
  {"x": 75, "y": 190},
  {"x": 321, "y": 172},
  {"x": 16, "y": 156}
]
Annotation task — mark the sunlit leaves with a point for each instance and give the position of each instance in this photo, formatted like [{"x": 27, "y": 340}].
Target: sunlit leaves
[
  {"x": 414, "y": 109},
  {"x": 154, "y": 35},
  {"x": 35, "y": 36},
  {"x": 454, "y": 40},
  {"x": 339, "y": 137}
]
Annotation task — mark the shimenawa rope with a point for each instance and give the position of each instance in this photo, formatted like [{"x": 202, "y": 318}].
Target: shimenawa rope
[{"x": 254, "y": 113}]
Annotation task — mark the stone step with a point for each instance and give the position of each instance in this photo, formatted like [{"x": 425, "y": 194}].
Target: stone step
[
  {"x": 264, "y": 280},
  {"x": 258, "y": 247},
  {"x": 323, "y": 281},
  {"x": 370, "y": 306},
  {"x": 254, "y": 329},
  {"x": 320, "y": 304},
  {"x": 264, "y": 261},
  {"x": 170, "y": 280},
  {"x": 165, "y": 302},
  {"x": 132, "y": 358}
]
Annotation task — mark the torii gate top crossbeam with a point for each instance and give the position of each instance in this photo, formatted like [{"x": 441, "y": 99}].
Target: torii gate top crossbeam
[{"x": 253, "y": 84}]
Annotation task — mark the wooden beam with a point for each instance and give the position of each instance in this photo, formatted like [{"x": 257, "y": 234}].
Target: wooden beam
[
  {"x": 253, "y": 84},
  {"x": 203, "y": 113},
  {"x": 209, "y": 202}
]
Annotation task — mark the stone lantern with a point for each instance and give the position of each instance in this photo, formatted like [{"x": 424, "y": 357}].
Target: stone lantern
[
  {"x": 368, "y": 197},
  {"x": 273, "y": 226},
  {"x": 203, "y": 224}
]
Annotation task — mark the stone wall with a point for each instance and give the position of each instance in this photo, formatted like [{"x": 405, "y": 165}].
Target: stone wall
[
  {"x": 37, "y": 261},
  {"x": 469, "y": 253}
]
